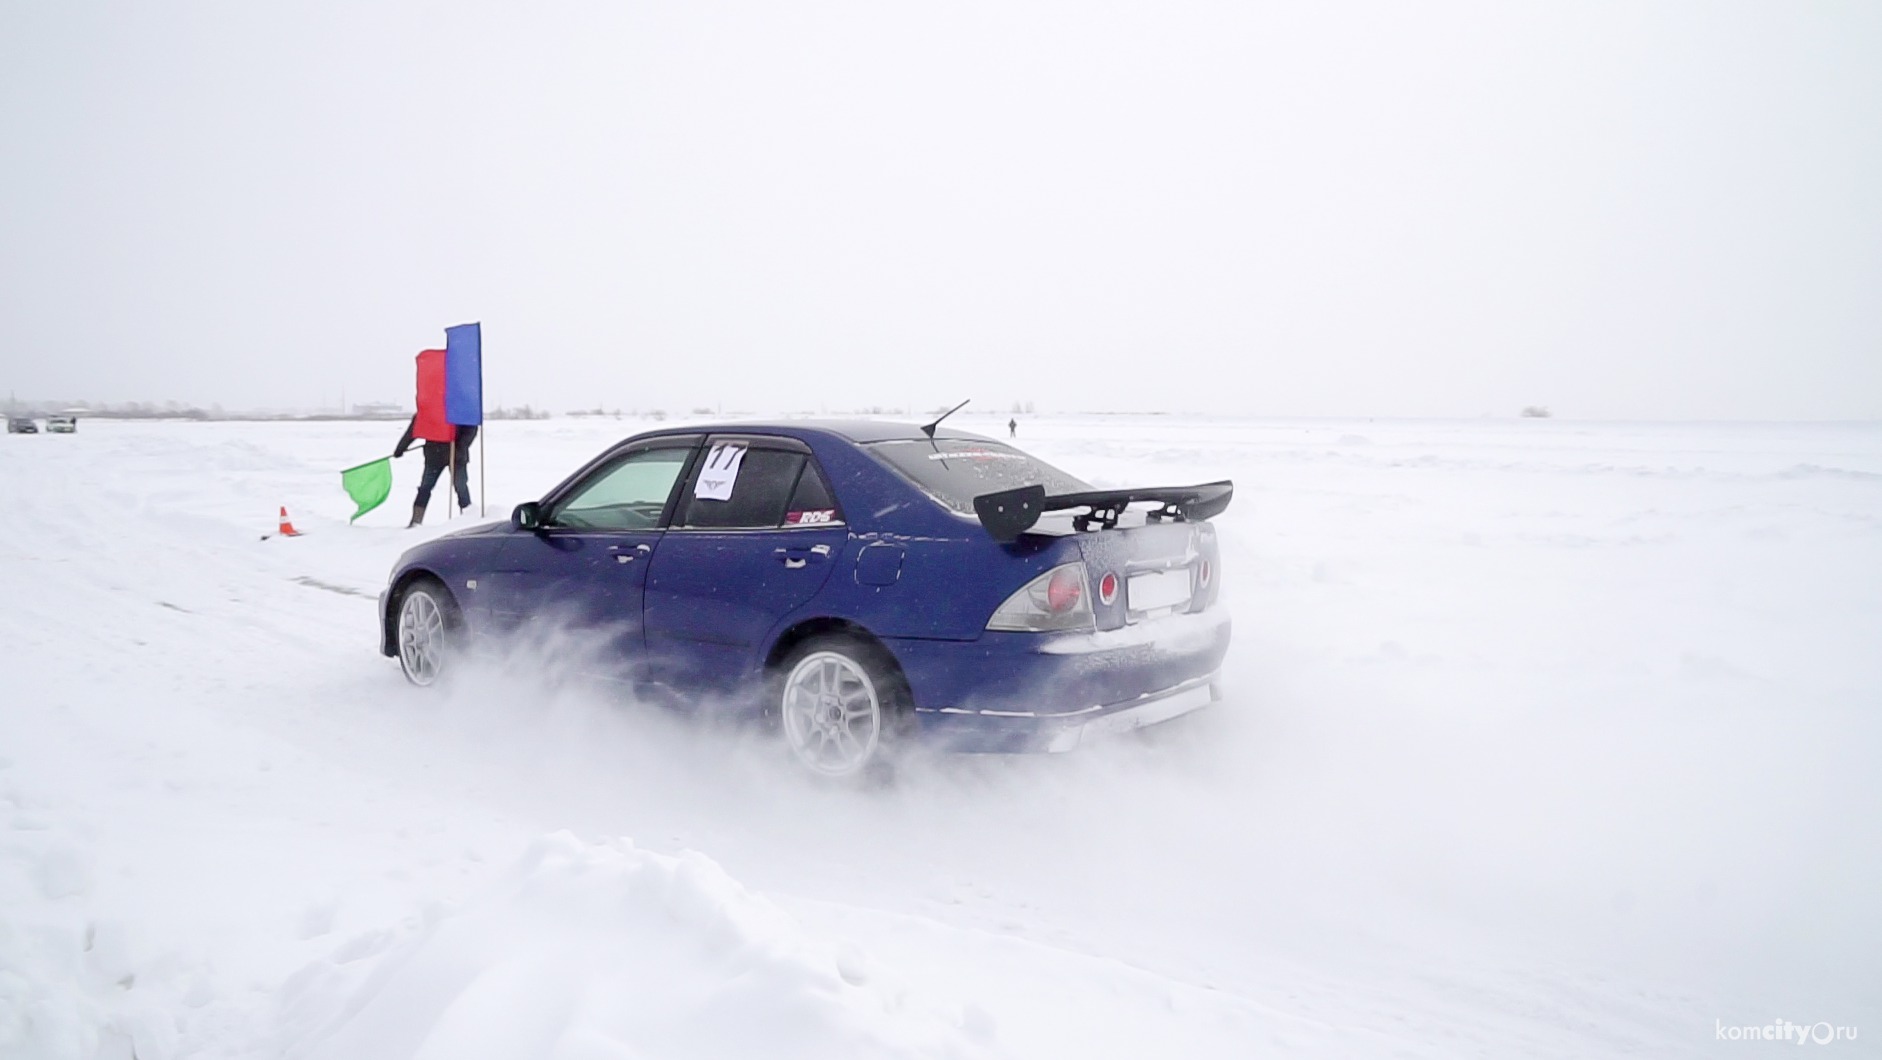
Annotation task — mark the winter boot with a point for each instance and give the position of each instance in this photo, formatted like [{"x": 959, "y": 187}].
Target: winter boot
[{"x": 418, "y": 516}]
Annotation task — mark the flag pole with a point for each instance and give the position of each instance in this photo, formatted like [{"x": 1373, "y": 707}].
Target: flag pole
[
  {"x": 483, "y": 427},
  {"x": 450, "y": 479}
]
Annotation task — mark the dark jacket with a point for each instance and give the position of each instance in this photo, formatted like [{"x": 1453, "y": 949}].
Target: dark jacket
[{"x": 438, "y": 454}]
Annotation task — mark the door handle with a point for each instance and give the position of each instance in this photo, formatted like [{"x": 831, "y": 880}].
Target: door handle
[
  {"x": 622, "y": 555},
  {"x": 797, "y": 558}
]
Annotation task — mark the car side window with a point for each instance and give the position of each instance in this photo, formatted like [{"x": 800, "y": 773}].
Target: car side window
[
  {"x": 629, "y": 494},
  {"x": 812, "y": 504},
  {"x": 764, "y": 484}
]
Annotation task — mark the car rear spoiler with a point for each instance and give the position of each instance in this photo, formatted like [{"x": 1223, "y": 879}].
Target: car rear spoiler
[{"x": 1010, "y": 513}]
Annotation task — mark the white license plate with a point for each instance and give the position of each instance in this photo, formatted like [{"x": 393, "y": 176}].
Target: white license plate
[{"x": 1159, "y": 591}]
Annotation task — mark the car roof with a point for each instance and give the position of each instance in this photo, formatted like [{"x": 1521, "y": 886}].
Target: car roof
[{"x": 859, "y": 431}]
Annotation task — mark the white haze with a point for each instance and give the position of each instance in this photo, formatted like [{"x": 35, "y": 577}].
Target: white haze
[{"x": 1617, "y": 209}]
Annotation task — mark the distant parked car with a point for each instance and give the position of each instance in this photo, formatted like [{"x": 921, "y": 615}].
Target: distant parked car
[
  {"x": 21, "y": 425},
  {"x": 61, "y": 424},
  {"x": 856, "y": 584}
]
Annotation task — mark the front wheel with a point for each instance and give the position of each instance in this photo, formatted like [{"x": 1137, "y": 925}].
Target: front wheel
[
  {"x": 426, "y": 618},
  {"x": 839, "y": 706}
]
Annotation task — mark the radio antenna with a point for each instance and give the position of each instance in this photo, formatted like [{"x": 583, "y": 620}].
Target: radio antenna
[{"x": 928, "y": 429}]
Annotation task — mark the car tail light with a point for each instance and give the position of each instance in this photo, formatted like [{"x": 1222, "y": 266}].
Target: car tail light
[
  {"x": 1054, "y": 601},
  {"x": 1064, "y": 589},
  {"x": 1107, "y": 589},
  {"x": 1205, "y": 574}
]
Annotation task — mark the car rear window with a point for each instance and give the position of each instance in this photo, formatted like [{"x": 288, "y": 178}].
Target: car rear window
[{"x": 956, "y": 470}]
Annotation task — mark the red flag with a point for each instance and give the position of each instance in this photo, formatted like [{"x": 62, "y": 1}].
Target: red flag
[{"x": 432, "y": 424}]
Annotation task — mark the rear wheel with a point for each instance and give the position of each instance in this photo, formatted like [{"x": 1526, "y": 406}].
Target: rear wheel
[
  {"x": 840, "y": 706},
  {"x": 427, "y": 621}
]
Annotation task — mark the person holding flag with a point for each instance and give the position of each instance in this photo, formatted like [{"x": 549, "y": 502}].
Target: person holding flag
[
  {"x": 453, "y": 451},
  {"x": 450, "y": 410}
]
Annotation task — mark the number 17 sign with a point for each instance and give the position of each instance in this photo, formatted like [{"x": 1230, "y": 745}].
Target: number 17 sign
[{"x": 720, "y": 472}]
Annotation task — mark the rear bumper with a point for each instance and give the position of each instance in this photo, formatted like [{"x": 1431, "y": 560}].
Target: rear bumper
[
  {"x": 1018, "y": 692},
  {"x": 1001, "y": 732}
]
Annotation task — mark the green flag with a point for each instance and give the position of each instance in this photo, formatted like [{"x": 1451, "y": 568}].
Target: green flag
[{"x": 368, "y": 484}]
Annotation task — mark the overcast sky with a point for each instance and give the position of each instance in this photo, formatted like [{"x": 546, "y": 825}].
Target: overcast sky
[{"x": 1653, "y": 210}]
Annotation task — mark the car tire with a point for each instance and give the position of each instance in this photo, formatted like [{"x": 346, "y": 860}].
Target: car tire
[
  {"x": 840, "y": 705},
  {"x": 426, "y": 631}
]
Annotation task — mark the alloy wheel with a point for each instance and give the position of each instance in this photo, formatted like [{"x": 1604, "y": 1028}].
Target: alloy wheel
[
  {"x": 832, "y": 713},
  {"x": 421, "y": 637}
]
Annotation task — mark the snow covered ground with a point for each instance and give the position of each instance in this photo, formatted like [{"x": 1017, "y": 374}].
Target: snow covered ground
[{"x": 1541, "y": 739}]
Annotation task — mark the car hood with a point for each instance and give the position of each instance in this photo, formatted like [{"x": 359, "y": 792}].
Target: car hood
[
  {"x": 500, "y": 526},
  {"x": 442, "y": 543}
]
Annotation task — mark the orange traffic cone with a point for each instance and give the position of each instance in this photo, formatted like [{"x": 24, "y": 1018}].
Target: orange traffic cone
[{"x": 287, "y": 528}]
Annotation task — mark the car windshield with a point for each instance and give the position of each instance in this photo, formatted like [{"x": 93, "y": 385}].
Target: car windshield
[{"x": 956, "y": 470}]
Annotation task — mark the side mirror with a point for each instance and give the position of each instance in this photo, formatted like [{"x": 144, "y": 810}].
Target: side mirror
[{"x": 527, "y": 516}]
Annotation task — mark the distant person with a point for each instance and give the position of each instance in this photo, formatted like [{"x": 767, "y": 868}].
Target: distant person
[
  {"x": 437, "y": 455},
  {"x": 1012, "y": 428}
]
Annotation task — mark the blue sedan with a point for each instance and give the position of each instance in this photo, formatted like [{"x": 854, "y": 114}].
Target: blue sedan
[{"x": 857, "y": 585}]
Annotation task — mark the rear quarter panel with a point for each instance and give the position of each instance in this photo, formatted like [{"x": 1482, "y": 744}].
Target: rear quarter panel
[
  {"x": 946, "y": 589},
  {"x": 951, "y": 575}
]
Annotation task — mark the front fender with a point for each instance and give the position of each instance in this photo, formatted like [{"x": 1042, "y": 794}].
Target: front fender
[{"x": 455, "y": 560}]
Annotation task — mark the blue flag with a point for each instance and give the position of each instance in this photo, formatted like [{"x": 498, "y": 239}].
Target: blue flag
[{"x": 464, "y": 374}]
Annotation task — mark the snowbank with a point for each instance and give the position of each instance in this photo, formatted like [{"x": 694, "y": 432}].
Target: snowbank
[
  {"x": 588, "y": 951},
  {"x": 69, "y": 984}
]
